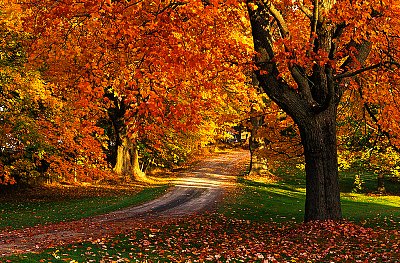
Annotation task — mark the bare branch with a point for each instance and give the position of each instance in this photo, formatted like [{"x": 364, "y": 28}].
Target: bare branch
[
  {"x": 315, "y": 17},
  {"x": 364, "y": 69}
]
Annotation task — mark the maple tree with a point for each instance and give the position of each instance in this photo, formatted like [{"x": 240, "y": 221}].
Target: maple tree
[
  {"x": 309, "y": 54},
  {"x": 42, "y": 136},
  {"x": 153, "y": 66}
]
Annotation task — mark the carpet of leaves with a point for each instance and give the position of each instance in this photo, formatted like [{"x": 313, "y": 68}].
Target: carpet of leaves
[{"x": 216, "y": 238}]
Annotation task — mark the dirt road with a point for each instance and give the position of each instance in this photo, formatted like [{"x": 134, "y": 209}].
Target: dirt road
[{"x": 196, "y": 190}]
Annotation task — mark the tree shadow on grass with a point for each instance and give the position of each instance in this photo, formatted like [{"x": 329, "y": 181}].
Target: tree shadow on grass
[
  {"x": 283, "y": 186},
  {"x": 267, "y": 202},
  {"x": 368, "y": 183},
  {"x": 276, "y": 202}
]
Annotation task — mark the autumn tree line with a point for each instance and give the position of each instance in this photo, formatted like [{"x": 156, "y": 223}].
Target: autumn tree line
[{"x": 103, "y": 89}]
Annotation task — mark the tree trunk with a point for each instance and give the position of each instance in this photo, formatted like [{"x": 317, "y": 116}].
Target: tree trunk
[
  {"x": 123, "y": 164},
  {"x": 127, "y": 155},
  {"x": 258, "y": 164},
  {"x": 127, "y": 165},
  {"x": 381, "y": 182},
  {"x": 318, "y": 136}
]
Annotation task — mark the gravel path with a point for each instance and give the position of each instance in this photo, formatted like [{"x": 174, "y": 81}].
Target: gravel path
[{"x": 196, "y": 190}]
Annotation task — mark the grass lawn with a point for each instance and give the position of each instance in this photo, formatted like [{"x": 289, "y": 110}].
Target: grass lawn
[
  {"x": 284, "y": 200},
  {"x": 41, "y": 205}
]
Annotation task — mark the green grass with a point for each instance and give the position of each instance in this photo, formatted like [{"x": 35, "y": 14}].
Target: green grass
[
  {"x": 265, "y": 202},
  {"x": 82, "y": 252},
  {"x": 284, "y": 200},
  {"x": 25, "y": 213},
  {"x": 373, "y": 211},
  {"x": 118, "y": 249},
  {"x": 369, "y": 182}
]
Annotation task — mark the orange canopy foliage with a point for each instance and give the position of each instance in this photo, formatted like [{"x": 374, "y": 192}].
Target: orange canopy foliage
[
  {"x": 42, "y": 134},
  {"x": 167, "y": 67},
  {"x": 166, "y": 60},
  {"x": 364, "y": 36}
]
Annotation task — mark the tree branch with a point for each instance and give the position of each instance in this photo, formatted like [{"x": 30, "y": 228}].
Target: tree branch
[
  {"x": 361, "y": 70},
  {"x": 172, "y": 5},
  {"x": 262, "y": 36},
  {"x": 305, "y": 10},
  {"x": 132, "y": 4},
  {"x": 268, "y": 74},
  {"x": 304, "y": 86},
  {"x": 283, "y": 28},
  {"x": 315, "y": 17}
]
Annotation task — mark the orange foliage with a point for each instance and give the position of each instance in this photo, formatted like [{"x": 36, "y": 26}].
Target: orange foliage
[
  {"x": 166, "y": 61},
  {"x": 42, "y": 133},
  {"x": 350, "y": 24},
  {"x": 178, "y": 66},
  {"x": 173, "y": 67}
]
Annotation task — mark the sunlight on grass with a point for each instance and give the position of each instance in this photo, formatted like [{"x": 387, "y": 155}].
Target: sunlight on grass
[
  {"x": 265, "y": 178},
  {"x": 295, "y": 192},
  {"x": 387, "y": 200},
  {"x": 277, "y": 201},
  {"x": 17, "y": 215}
]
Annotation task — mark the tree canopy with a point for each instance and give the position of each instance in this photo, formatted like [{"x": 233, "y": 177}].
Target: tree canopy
[{"x": 142, "y": 76}]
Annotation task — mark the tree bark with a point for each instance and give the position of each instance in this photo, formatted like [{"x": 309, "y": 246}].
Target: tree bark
[
  {"x": 124, "y": 158},
  {"x": 318, "y": 136},
  {"x": 127, "y": 165},
  {"x": 137, "y": 172},
  {"x": 381, "y": 183}
]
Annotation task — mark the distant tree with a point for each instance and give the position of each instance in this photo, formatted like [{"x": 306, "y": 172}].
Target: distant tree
[
  {"x": 39, "y": 136},
  {"x": 365, "y": 141}
]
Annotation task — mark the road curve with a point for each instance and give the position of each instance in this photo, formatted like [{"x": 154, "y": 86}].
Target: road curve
[{"x": 195, "y": 190}]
